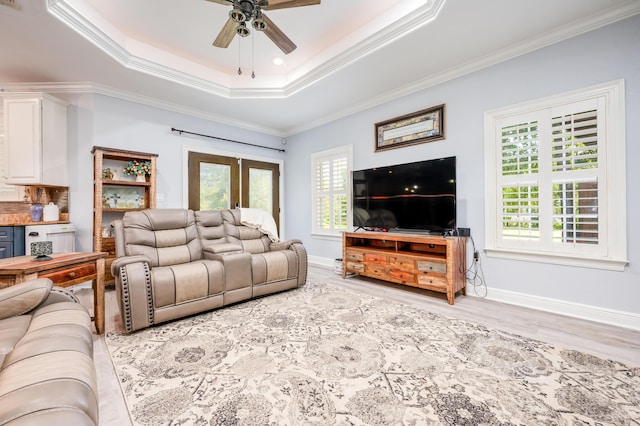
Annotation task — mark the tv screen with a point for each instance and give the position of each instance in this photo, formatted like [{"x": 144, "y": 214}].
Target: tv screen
[{"x": 418, "y": 196}]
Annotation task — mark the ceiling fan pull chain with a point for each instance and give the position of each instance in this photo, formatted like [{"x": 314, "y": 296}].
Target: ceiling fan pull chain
[
  {"x": 239, "y": 69},
  {"x": 253, "y": 72}
]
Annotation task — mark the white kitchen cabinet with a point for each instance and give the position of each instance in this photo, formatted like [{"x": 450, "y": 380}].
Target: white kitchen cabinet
[{"x": 35, "y": 139}]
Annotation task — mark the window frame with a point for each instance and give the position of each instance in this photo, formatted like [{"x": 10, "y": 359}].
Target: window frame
[
  {"x": 611, "y": 252},
  {"x": 330, "y": 155}
]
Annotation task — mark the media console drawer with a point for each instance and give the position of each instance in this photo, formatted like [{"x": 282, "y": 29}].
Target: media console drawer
[
  {"x": 375, "y": 258},
  {"x": 431, "y": 281},
  {"x": 429, "y": 266},
  {"x": 355, "y": 267},
  {"x": 402, "y": 262},
  {"x": 357, "y": 256}
]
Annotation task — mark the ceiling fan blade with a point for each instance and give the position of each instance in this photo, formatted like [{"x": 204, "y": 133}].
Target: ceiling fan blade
[
  {"x": 226, "y": 34},
  {"x": 284, "y": 4},
  {"x": 224, "y": 2},
  {"x": 278, "y": 37}
]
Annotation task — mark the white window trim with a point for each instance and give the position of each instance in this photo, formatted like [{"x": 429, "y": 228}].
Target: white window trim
[
  {"x": 615, "y": 256},
  {"x": 346, "y": 150}
]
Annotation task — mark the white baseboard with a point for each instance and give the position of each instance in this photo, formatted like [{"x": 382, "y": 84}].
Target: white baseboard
[
  {"x": 321, "y": 261},
  {"x": 587, "y": 312}
]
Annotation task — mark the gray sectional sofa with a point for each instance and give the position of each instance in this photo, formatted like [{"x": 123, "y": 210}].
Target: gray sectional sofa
[{"x": 171, "y": 263}]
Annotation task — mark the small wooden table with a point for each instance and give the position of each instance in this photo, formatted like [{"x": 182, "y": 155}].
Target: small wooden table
[{"x": 64, "y": 269}]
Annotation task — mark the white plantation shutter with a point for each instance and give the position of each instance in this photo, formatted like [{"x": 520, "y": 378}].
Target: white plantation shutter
[
  {"x": 331, "y": 198},
  {"x": 574, "y": 143},
  {"x": 519, "y": 147},
  {"x": 575, "y": 175},
  {"x": 323, "y": 194},
  {"x": 520, "y": 212},
  {"x": 340, "y": 193},
  {"x": 557, "y": 190},
  {"x": 519, "y": 195}
]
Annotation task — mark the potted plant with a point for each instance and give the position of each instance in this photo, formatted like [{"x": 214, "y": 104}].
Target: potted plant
[{"x": 139, "y": 169}]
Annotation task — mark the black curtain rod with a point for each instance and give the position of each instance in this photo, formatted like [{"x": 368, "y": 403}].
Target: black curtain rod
[{"x": 223, "y": 139}]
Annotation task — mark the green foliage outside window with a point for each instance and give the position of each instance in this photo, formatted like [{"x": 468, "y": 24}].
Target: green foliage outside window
[{"x": 215, "y": 186}]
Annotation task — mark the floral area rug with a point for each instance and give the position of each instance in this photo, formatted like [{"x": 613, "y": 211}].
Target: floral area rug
[{"x": 325, "y": 355}]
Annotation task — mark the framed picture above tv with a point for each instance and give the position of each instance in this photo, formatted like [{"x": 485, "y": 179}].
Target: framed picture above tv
[{"x": 422, "y": 126}]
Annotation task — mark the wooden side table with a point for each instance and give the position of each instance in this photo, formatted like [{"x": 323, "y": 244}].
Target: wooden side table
[{"x": 64, "y": 269}]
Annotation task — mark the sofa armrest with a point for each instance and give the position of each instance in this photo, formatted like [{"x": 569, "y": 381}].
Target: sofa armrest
[
  {"x": 283, "y": 245},
  {"x": 23, "y": 297},
  {"x": 134, "y": 291},
  {"x": 58, "y": 295},
  {"x": 119, "y": 262},
  {"x": 223, "y": 248}
]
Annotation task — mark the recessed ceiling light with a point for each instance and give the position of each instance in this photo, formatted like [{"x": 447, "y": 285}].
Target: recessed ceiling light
[{"x": 278, "y": 61}]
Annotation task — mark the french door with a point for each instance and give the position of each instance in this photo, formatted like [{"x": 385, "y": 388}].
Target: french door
[{"x": 219, "y": 182}]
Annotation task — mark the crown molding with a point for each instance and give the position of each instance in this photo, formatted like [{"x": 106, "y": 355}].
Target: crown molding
[
  {"x": 528, "y": 46},
  {"x": 569, "y": 31},
  {"x": 81, "y": 88},
  {"x": 89, "y": 30},
  {"x": 422, "y": 16}
]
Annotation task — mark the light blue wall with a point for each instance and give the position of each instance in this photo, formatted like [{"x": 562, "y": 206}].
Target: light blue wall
[
  {"x": 96, "y": 120},
  {"x": 603, "y": 55}
]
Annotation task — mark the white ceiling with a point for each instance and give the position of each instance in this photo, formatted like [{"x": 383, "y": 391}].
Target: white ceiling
[{"x": 351, "y": 55}]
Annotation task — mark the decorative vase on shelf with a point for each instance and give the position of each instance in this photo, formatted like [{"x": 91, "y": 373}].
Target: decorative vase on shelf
[
  {"x": 36, "y": 212},
  {"x": 141, "y": 178}
]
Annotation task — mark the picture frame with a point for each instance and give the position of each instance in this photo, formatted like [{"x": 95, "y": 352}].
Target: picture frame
[{"x": 423, "y": 126}]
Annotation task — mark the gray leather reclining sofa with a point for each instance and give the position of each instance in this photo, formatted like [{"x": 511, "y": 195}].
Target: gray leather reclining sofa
[
  {"x": 47, "y": 374},
  {"x": 171, "y": 263}
]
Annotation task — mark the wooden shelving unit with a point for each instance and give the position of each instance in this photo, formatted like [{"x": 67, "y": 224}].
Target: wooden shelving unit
[
  {"x": 430, "y": 262},
  {"x": 108, "y": 205}
]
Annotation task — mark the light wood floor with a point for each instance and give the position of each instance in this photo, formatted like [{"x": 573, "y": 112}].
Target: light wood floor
[{"x": 603, "y": 340}]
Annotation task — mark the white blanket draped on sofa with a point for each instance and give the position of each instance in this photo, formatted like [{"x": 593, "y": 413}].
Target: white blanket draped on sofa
[{"x": 260, "y": 219}]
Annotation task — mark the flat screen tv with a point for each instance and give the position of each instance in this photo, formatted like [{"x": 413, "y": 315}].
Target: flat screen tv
[{"x": 414, "y": 197}]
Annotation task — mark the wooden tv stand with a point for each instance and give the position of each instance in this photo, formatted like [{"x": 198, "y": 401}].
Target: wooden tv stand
[{"x": 431, "y": 262}]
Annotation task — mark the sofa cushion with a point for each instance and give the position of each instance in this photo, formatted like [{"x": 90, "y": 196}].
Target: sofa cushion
[
  {"x": 58, "y": 327},
  {"x": 11, "y": 330},
  {"x": 210, "y": 227},
  {"x": 61, "y": 381},
  {"x": 181, "y": 283},
  {"x": 164, "y": 236},
  {"x": 251, "y": 239},
  {"x": 274, "y": 266}
]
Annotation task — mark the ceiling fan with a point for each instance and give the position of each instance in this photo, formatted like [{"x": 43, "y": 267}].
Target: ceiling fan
[{"x": 245, "y": 11}]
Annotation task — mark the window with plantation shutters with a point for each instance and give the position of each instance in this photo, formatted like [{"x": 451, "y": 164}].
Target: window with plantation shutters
[
  {"x": 331, "y": 170},
  {"x": 555, "y": 187}
]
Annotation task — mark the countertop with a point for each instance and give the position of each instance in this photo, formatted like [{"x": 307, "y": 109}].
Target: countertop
[
  {"x": 22, "y": 223},
  {"x": 24, "y": 219}
]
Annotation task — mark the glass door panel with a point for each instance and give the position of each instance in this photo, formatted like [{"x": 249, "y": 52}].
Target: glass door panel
[
  {"x": 215, "y": 186},
  {"x": 261, "y": 187},
  {"x": 214, "y": 182}
]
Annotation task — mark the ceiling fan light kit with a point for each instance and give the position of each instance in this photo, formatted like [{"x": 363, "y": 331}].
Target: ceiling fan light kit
[
  {"x": 251, "y": 10},
  {"x": 242, "y": 30}
]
